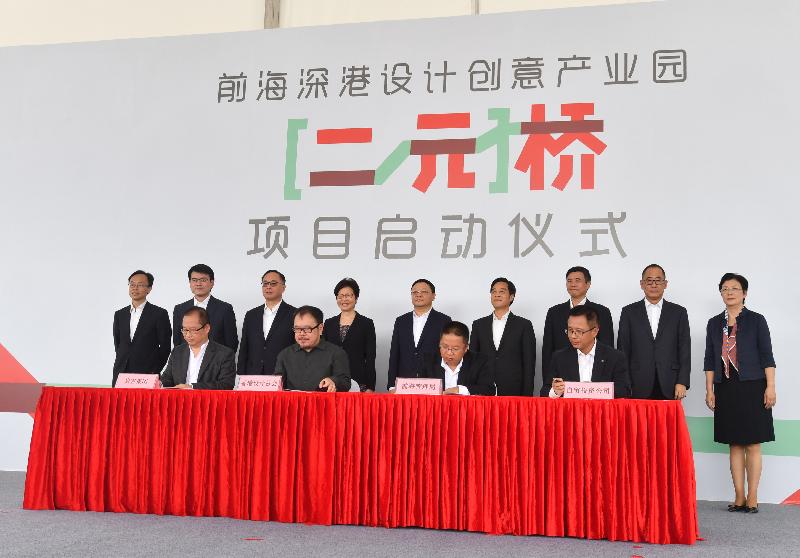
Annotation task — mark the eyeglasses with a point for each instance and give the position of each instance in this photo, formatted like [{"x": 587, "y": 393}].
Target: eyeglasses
[
  {"x": 651, "y": 282},
  {"x": 419, "y": 293},
  {"x": 451, "y": 350},
  {"x": 344, "y": 296},
  {"x": 730, "y": 289},
  {"x": 305, "y": 330},
  {"x": 270, "y": 283},
  {"x": 138, "y": 285},
  {"x": 577, "y": 332},
  {"x": 199, "y": 280},
  {"x": 187, "y": 331}
]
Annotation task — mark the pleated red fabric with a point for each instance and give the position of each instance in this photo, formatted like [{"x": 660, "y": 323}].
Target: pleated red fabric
[{"x": 617, "y": 470}]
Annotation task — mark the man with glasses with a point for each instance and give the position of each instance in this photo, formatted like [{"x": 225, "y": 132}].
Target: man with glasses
[
  {"x": 141, "y": 331},
  {"x": 415, "y": 333},
  {"x": 312, "y": 363},
  {"x": 221, "y": 316},
  {"x": 587, "y": 359},
  {"x": 654, "y": 335},
  {"x": 267, "y": 328},
  {"x": 463, "y": 372},
  {"x": 200, "y": 363}
]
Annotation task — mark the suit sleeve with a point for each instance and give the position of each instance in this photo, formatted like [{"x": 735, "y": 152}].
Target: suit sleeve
[
  {"x": 231, "y": 335},
  {"x": 547, "y": 353},
  {"x": 548, "y": 373},
  {"x": 684, "y": 350},
  {"x": 708, "y": 359},
  {"x": 394, "y": 355},
  {"x": 528, "y": 358},
  {"x": 243, "y": 348},
  {"x": 115, "y": 331},
  {"x": 475, "y": 340},
  {"x": 341, "y": 370},
  {"x": 624, "y": 335},
  {"x": 484, "y": 379},
  {"x": 766, "y": 360},
  {"x": 226, "y": 376},
  {"x": 177, "y": 321},
  {"x": 163, "y": 333},
  {"x": 606, "y": 334},
  {"x": 167, "y": 379},
  {"x": 622, "y": 378},
  {"x": 370, "y": 351}
]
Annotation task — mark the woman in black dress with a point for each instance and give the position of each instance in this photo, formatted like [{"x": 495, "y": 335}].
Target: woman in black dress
[
  {"x": 354, "y": 333},
  {"x": 740, "y": 387}
]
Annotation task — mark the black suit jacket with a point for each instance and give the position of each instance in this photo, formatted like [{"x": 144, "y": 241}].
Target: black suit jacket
[
  {"x": 359, "y": 344},
  {"x": 148, "y": 351},
  {"x": 513, "y": 364},
  {"x": 609, "y": 366},
  {"x": 556, "y": 322},
  {"x": 475, "y": 374},
  {"x": 405, "y": 359},
  {"x": 256, "y": 354},
  {"x": 665, "y": 358},
  {"x": 220, "y": 316},
  {"x": 217, "y": 371}
]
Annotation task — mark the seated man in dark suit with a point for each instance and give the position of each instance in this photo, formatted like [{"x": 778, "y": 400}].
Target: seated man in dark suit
[
  {"x": 508, "y": 341},
  {"x": 267, "y": 328},
  {"x": 220, "y": 313},
  {"x": 312, "y": 363},
  {"x": 199, "y": 363},
  {"x": 654, "y": 335},
  {"x": 415, "y": 333},
  {"x": 587, "y": 359},
  {"x": 141, "y": 331},
  {"x": 463, "y": 372},
  {"x": 578, "y": 282}
]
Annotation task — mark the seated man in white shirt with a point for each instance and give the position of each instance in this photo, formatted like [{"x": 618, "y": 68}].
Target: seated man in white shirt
[
  {"x": 462, "y": 371},
  {"x": 199, "y": 363},
  {"x": 587, "y": 360}
]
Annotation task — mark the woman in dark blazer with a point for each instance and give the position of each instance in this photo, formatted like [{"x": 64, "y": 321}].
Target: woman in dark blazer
[
  {"x": 740, "y": 387},
  {"x": 354, "y": 333}
]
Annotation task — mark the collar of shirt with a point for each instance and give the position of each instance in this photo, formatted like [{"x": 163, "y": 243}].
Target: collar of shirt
[
  {"x": 580, "y": 303},
  {"x": 503, "y": 319},
  {"x": 590, "y": 353},
  {"x": 134, "y": 310},
  {"x": 421, "y": 316},
  {"x": 203, "y": 304},
  {"x": 322, "y": 346},
  {"x": 659, "y": 304},
  {"x": 274, "y": 310}
]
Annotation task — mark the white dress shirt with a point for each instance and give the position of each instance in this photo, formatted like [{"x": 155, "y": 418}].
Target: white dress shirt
[
  {"x": 498, "y": 327},
  {"x": 269, "y": 317},
  {"x": 654, "y": 314},
  {"x": 451, "y": 378},
  {"x": 419, "y": 324},
  {"x": 585, "y": 365},
  {"x": 194, "y": 364},
  {"x": 202, "y": 304},
  {"x": 136, "y": 315},
  {"x": 579, "y": 304}
]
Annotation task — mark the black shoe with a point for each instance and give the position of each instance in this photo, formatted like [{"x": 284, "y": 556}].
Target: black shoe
[
  {"x": 736, "y": 508},
  {"x": 748, "y": 509}
]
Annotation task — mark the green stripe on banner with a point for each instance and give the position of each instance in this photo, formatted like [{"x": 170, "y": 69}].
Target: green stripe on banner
[{"x": 787, "y": 437}]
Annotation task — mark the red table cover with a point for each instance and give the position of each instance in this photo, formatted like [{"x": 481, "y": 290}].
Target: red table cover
[{"x": 617, "y": 470}]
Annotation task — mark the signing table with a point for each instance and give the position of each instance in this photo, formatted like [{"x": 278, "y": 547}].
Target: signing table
[{"x": 617, "y": 470}]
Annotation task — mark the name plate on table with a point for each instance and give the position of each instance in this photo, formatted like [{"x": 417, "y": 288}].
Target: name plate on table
[
  {"x": 418, "y": 386},
  {"x": 589, "y": 390},
  {"x": 259, "y": 383},
  {"x": 140, "y": 381}
]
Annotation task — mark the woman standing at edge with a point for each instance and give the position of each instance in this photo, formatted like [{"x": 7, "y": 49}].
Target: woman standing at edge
[
  {"x": 740, "y": 387},
  {"x": 354, "y": 333}
]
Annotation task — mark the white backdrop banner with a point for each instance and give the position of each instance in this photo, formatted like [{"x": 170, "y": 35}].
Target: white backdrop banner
[{"x": 456, "y": 149}]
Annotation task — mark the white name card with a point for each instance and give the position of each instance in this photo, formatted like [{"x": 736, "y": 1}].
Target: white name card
[
  {"x": 418, "y": 386},
  {"x": 589, "y": 390},
  {"x": 259, "y": 383},
  {"x": 140, "y": 381}
]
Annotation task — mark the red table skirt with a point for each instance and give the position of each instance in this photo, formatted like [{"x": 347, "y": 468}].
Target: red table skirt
[{"x": 617, "y": 470}]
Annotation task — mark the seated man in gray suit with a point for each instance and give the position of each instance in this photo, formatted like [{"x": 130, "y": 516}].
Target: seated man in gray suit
[{"x": 199, "y": 363}]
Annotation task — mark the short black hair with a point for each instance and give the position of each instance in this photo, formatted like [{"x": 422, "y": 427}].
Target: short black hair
[
  {"x": 433, "y": 289},
  {"x": 456, "y": 328},
  {"x": 150, "y": 278},
  {"x": 734, "y": 277},
  {"x": 580, "y": 269},
  {"x": 198, "y": 311},
  {"x": 586, "y": 311},
  {"x": 512, "y": 289},
  {"x": 664, "y": 273},
  {"x": 347, "y": 282},
  {"x": 278, "y": 273},
  {"x": 312, "y": 311},
  {"x": 201, "y": 268}
]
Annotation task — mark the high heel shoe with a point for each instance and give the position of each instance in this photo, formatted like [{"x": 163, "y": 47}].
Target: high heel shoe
[{"x": 737, "y": 508}]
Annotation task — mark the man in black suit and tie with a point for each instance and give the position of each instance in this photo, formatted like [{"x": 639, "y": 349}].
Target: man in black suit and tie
[
  {"x": 223, "y": 320},
  {"x": 199, "y": 363},
  {"x": 587, "y": 359},
  {"x": 141, "y": 331},
  {"x": 267, "y": 328},
  {"x": 415, "y": 333},
  {"x": 462, "y": 371},
  {"x": 654, "y": 335},
  {"x": 508, "y": 341},
  {"x": 578, "y": 282}
]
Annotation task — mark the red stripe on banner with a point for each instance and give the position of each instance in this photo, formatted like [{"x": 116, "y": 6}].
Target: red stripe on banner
[
  {"x": 793, "y": 500},
  {"x": 438, "y": 121},
  {"x": 12, "y": 372},
  {"x": 344, "y": 135},
  {"x": 342, "y": 178}
]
